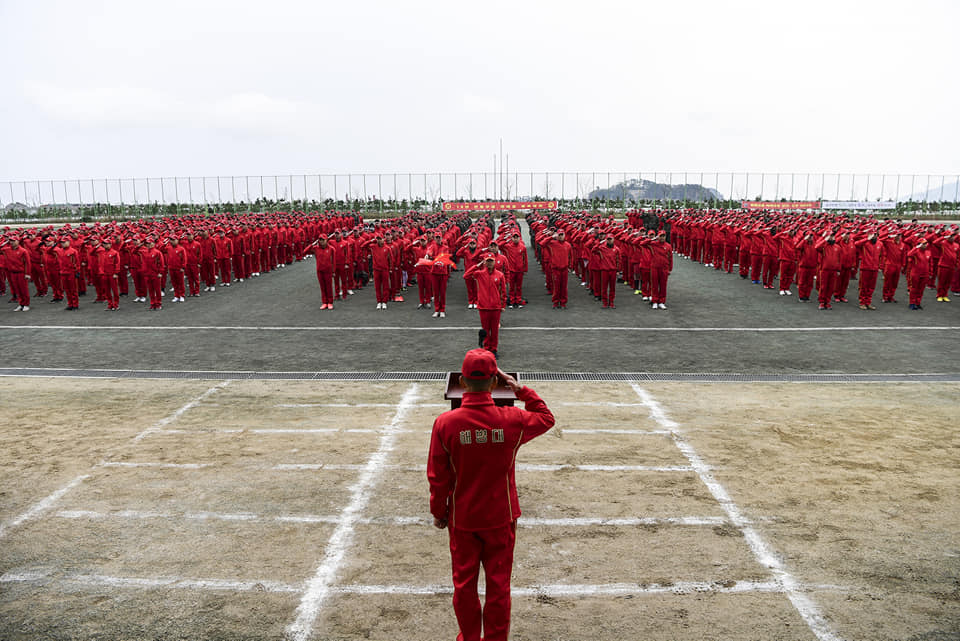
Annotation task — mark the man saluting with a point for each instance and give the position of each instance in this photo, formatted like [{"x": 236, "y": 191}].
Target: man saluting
[{"x": 473, "y": 490}]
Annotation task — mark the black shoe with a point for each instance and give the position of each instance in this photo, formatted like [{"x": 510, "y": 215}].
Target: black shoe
[{"x": 481, "y": 335}]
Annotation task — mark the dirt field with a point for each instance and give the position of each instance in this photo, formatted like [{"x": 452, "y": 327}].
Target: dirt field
[{"x": 148, "y": 509}]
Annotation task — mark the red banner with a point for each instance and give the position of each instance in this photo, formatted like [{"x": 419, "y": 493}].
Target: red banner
[
  {"x": 794, "y": 204},
  {"x": 498, "y": 205}
]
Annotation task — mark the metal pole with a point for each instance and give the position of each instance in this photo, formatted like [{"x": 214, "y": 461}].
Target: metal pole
[
  {"x": 233, "y": 190},
  {"x": 896, "y": 196},
  {"x": 219, "y": 194},
  {"x": 501, "y": 169},
  {"x": 203, "y": 185},
  {"x": 762, "y": 180},
  {"x": 866, "y": 195},
  {"x": 246, "y": 182},
  {"x": 838, "y": 187},
  {"x": 176, "y": 194},
  {"x": 883, "y": 183},
  {"x": 823, "y": 184},
  {"x": 806, "y": 189}
]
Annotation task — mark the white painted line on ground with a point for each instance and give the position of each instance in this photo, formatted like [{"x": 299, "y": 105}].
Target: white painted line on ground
[
  {"x": 473, "y": 328},
  {"x": 525, "y": 521},
  {"x": 100, "y": 580},
  {"x": 764, "y": 554},
  {"x": 330, "y": 430},
  {"x": 163, "y": 422},
  {"x": 186, "y": 466},
  {"x": 590, "y": 589},
  {"x": 547, "y": 590},
  {"x": 319, "y": 587},
  {"x": 597, "y": 404},
  {"x": 351, "y": 405},
  {"x": 41, "y": 506},
  {"x": 521, "y": 467}
]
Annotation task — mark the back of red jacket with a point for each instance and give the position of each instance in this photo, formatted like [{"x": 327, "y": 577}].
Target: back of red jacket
[{"x": 473, "y": 450}]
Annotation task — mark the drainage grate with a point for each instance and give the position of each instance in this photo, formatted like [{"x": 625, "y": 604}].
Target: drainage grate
[{"x": 699, "y": 377}]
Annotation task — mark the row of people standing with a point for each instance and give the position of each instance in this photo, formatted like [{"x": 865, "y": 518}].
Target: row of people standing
[
  {"x": 823, "y": 251},
  {"x": 185, "y": 252}
]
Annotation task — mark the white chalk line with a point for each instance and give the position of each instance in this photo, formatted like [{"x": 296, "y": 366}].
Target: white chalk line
[
  {"x": 521, "y": 467},
  {"x": 318, "y": 430},
  {"x": 318, "y": 588},
  {"x": 45, "y": 504},
  {"x": 352, "y": 405},
  {"x": 808, "y": 610},
  {"x": 167, "y": 420},
  {"x": 185, "y": 466},
  {"x": 524, "y": 521},
  {"x": 472, "y": 328},
  {"x": 557, "y": 590},
  {"x": 41, "y": 506}
]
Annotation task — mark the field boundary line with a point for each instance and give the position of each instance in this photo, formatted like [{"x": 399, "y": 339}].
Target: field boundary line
[
  {"x": 318, "y": 588},
  {"x": 42, "y": 505},
  {"x": 537, "y": 590},
  {"x": 167, "y": 420},
  {"x": 524, "y": 521},
  {"x": 472, "y": 328},
  {"x": 808, "y": 610}
]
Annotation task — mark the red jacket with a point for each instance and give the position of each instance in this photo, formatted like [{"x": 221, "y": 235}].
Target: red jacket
[
  {"x": 561, "y": 253},
  {"x": 829, "y": 255},
  {"x": 69, "y": 261},
  {"x": 869, "y": 254},
  {"x": 176, "y": 257},
  {"x": 491, "y": 287},
  {"x": 516, "y": 253},
  {"x": 661, "y": 255},
  {"x": 16, "y": 260},
  {"x": 606, "y": 257},
  {"x": 110, "y": 262},
  {"x": 326, "y": 257},
  {"x": 473, "y": 450}
]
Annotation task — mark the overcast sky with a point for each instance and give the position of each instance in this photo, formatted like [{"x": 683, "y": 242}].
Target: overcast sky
[{"x": 163, "y": 88}]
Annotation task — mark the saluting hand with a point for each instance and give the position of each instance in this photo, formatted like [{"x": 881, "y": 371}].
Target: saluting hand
[
  {"x": 439, "y": 523},
  {"x": 508, "y": 380}
]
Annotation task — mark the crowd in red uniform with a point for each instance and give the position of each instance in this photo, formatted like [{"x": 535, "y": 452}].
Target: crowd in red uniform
[
  {"x": 823, "y": 251},
  {"x": 184, "y": 252}
]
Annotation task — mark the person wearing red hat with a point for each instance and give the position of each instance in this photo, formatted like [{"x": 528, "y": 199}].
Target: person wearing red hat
[
  {"x": 470, "y": 254},
  {"x": 869, "y": 253},
  {"x": 491, "y": 287},
  {"x": 560, "y": 262},
  {"x": 17, "y": 262},
  {"x": 192, "y": 266},
  {"x": 51, "y": 267},
  {"x": 829, "y": 266},
  {"x": 208, "y": 261},
  {"x": 326, "y": 256},
  {"x": 110, "y": 268},
  {"x": 176, "y": 259},
  {"x": 918, "y": 271},
  {"x": 949, "y": 246},
  {"x": 439, "y": 273},
  {"x": 137, "y": 270},
  {"x": 34, "y": 247},
  {"x": 154, "y": 267},
  {"x": 894, "y": 258},
  {"x": 472, "y": 453},
  {"x": 661, "y": 264},
  {"x": 516, "y": 254},
  {"x": 69, "y": 261},
  {"x": 224, "y": 256},
  {"x": 381, "y": 257}
]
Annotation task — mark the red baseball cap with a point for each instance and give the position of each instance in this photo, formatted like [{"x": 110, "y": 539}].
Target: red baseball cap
[{"x": 479, "y": 364}]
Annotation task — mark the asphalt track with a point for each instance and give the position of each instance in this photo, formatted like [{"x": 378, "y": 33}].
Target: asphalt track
[{"x": 716, "y": 323}]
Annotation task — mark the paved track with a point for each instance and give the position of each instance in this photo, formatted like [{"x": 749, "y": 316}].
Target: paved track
[{"x": 716, "y": 323}]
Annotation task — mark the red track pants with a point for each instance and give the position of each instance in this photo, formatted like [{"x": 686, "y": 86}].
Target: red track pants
[
  {"x": 494, "y": 550},
  {"x": 490, "y": 321},
  {"x": 868, "y": 283}
]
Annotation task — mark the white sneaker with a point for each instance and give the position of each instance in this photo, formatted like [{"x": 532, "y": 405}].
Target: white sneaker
[
  {"x": 384, "y": 305},
  {"x": 436, "y": 314},
  {"x": 206, "y": 289},
  {"x": 213, "y": 289},
  {"x": 646, "y": 298},
  {"x": 19, "y": 308},
  {"x": 240, "y": 279},
  {"x": 163, "y": 293},
  {"x": 786, "y": 292},
  {"x": 583, "y": 283},
  {"x": 26, "y": 308},
  {"x": 663, "y": 305},
  {"x": 182, "y": 299},
  {"x": 379, "y": 305},
  {"x": 350, "y": 292},
  {"x": 653, "y": 307},
  {"x": 443, "y": 315}
]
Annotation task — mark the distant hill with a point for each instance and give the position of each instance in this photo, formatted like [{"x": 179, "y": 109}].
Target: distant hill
[
  {"x": 635, "y": 189},
  {"x": 949, "y": 192}
]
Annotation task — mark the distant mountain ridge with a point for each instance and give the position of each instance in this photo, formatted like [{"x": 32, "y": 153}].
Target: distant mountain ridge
[
  {"x": 933, "y": 194},
  {"x": 636, "y": 189}
]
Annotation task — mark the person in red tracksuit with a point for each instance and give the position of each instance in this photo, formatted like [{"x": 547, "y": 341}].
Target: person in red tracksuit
[
  {"x": 153, "y": 270},
  {"x": 473, "y": 490},
  {"x": 51, "y": 265},
  {"x": 176, "y": 258},
  {"x": 787, "y": 255},
  {"x": 439, "y": 275},
  {"x": 607, "y": 257},
  {"x": 894, "y": 258},
  {"x": 561, "y": 261},
  {"x": 517, "y": 266},
  {"x": 326, "y": 256},
  {"x": 848, "y": 263},
  {"x": 470, "y": 254},
  {"x": 661, "y": 264},
  {"x": 17, "y": 260},
  {"x": 110, "y": 267},
  {"x": 381, "y": 269},
  {"x": 830, "y": 260},
  {"x": 208, "y": 261},
  {"x": 869, "y": 252},
  {"x": 919, "y": 265},
  {"x": 69, "y": 260},
  {"x": 491, "y": 287},
  {"x": 192, "y": 266},
  {"x": 225, "y": 248},
  {"x": 949, "y": 261}
]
